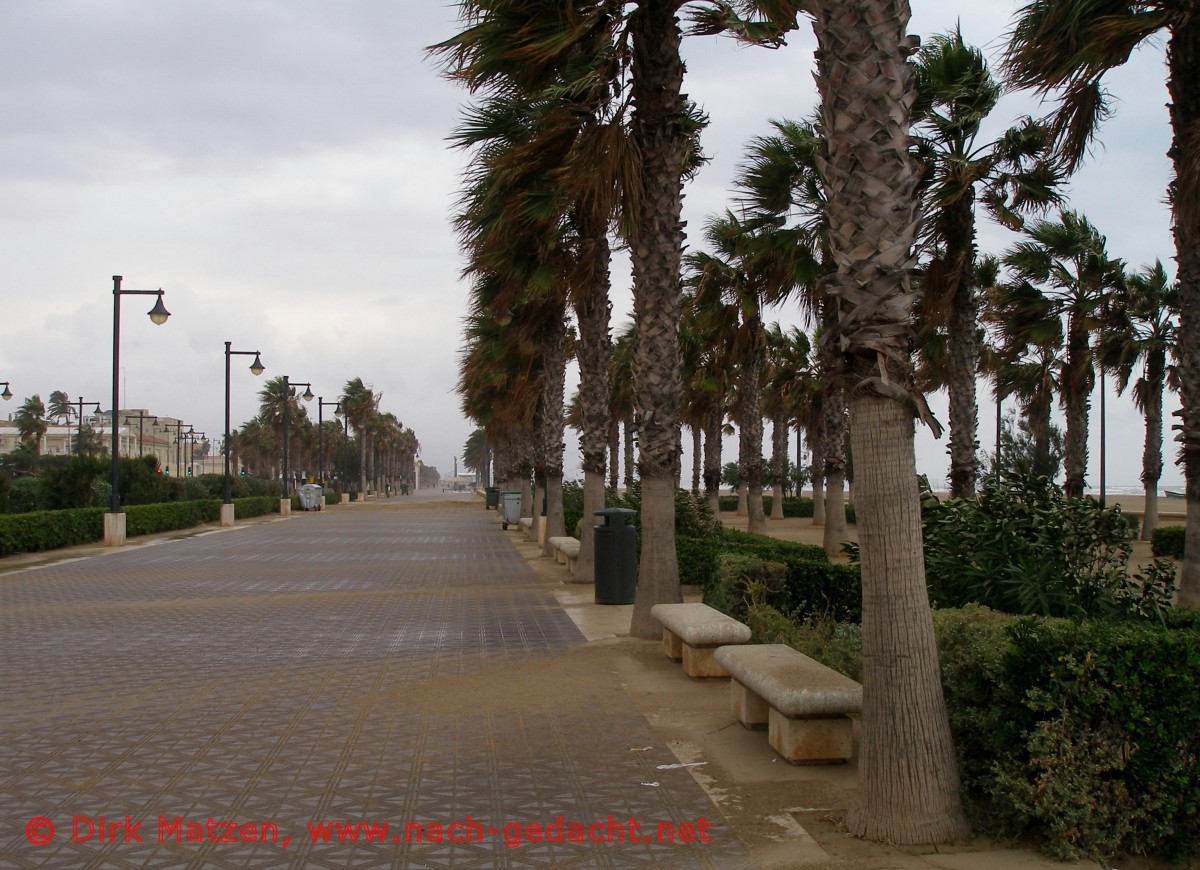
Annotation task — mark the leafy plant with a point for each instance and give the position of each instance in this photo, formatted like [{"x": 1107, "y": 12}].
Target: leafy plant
[
  {"x": 1022, "y": 547},
  {"x": 1168, "y": 541}
]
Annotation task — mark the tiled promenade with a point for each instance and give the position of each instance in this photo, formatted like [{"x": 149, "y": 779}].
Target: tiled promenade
[{"x": 374, "y": 663}]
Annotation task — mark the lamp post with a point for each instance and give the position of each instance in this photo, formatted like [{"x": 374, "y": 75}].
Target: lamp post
[
  {"x": 79, "y": 417},
  {"x": 114, "y": 520},
  {"x": 337, "y": 412},
  {"x": 141, "y": 418},
  {"x": 257, "y": 368},
  {"x": 7, "y": 394},
  {"x": 287, "y": 400},
  {"x": 193, "y": 437},
  {"x": 179, "y": 433}
]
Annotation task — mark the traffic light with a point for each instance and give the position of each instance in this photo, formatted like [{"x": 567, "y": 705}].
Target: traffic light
[
  {"x": 243, "y": 472},
  {"x": 167, "y": 471},
  {"x": 189, "y": 472}
]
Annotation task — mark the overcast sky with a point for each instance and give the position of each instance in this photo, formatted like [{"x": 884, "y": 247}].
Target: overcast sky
[{"x": 279, "y": 168}]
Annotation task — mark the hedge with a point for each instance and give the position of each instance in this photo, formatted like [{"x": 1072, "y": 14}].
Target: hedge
[
  {"x": 37, "y": 531},
  {"x": 1168, "y": 541},
  {"x": 1082, "y": 735},
  {"x": 792, "y": 506}
]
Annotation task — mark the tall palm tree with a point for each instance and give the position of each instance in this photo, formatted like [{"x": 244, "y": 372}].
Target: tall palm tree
[
  {"x": 1010, "y": 175},
  {"x": 1066, "y": 47},
  {"x": 1068, "y": 261},
  {"x": 359, "y": 405},
  {"x": 780, "y": 183},
  {"x": 31, "y": 423},
  {"x": 1142, "y": 331},
  {"x": 908, "y": 775},
  {"x": 787, "y": 373},
  {"x": 59, "y": 407}
]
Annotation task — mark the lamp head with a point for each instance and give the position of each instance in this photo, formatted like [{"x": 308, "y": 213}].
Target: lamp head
[
  {"x": 308, "y": 394},
  {"x": 256, "y": 367},
  {"x": 159, "y": 312},
  {"x": 7, "y": 394},
  {"x": 338, "y": 412}
]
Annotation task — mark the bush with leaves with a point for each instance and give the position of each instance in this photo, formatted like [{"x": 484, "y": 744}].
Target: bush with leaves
[
  {"x": 1020, "y": 546},
  {"x": 26, "y": 494},
  {"x": 1168, "y": 541},
  {"x": 1083, "y": 735}
]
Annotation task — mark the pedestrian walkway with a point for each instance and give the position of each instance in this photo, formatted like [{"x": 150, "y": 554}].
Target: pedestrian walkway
[{"x": 258, "y": 696}]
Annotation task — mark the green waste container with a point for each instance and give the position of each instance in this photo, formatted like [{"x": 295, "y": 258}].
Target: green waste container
[
  {"x": 616, "y": 557},
  {"x": 492, "y": 499}
]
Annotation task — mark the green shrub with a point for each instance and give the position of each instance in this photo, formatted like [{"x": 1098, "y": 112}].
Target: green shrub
[
  {"x": 149, "y": 519},
  {"x": 573, "y": 507},
  {"x": 1021, "y": 546},
  {"x": 69, "y": 484},
  {"x": 792, "y": 507},
  {"x": 802, "y": 588},
  {"x": 1084, "y": 736},
  {"x": 255, "y": 506},
  {"x": 1168, "y": 541},
  {"x": 35, "y": 531},
  {"x": 26, "y": 494},
  {"x": 837, "y": 645},
  {"x": 770, "y": 548},
  {"x": 5, "y": 485}
]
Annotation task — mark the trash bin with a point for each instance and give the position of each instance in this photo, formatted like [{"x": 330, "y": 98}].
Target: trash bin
[
  {"x": 404, "y": 489},
  {"x": 311, "y": 497},
  {"x": 492, "y": 499},
  {"x": 511, "y": 502},
  {"x": 616, "y": 557}
]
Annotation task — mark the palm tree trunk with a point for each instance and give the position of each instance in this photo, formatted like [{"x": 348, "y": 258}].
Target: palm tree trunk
[
  {"x": 614, "y": 447},
  {"x": 697, "y": 459},
  {"x": 779, "y": 439},
  {"x": 1183, "y": 61},
  {"x": 908, "y": 789},
  {"x": 833, "y": 448},
  {"x": 750, "y": 443},
  {"x": 593, "y": 352},
  {"x": 962, "y": 366},
  {"x": 550, "y": 426},
  {"x": 908, "y": 777},
  {"x": 1152, "y": 452},
  {"x": 712, "y": 461},
  {"x": 656, "y": 248},
  {"x": 1076, "y": 389},
  {"x": 629, "y": 430}
]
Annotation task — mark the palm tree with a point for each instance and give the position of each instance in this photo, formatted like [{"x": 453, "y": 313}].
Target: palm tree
[
  {"x": 1066, "y": 47},
  {"x": 1142, "y": 330},
  {"x": 59, "y": 407},
  {"x": 1010, "y": 175},
  {"x": 1069, "y": 260},
  {"x": 781, "y": 184},
  {"x": 787, "y": 371},
  {"x": 359, "y": 405},
  {"x": 31, "y": 423},
  {"x": 908, "y": 776}
]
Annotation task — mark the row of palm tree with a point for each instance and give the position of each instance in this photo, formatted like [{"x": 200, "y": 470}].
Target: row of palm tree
[
  {"x": 582, "y": 136},
  {"x": 382, "y": 451}
]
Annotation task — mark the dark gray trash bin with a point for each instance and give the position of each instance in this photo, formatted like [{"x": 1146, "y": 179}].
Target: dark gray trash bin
[{"x": 616, "y": 557}]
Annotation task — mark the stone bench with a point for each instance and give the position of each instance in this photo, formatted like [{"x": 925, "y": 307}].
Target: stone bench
[
  {"x": 692, "y": 633},
  {"x": 805, "y": 705},
  {"x": 566, "y": 552}
]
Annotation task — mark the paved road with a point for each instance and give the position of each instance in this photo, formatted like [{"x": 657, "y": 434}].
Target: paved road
[{"x": 390, "y": 663}]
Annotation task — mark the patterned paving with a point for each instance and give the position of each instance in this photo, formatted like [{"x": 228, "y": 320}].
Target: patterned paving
[{"x": 357, "y": 665}]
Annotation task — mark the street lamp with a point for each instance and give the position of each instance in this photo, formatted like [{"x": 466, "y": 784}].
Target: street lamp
[
  {"x": 114, "y": 520},
  {"x": 256, "y": 368},
  {"x": 7, "y": 394},
  {"x": 179, "y": 433},
  {"x": 79, "y": 416},
  {"x": 287, "y": 397},
  {"x": 141, "y": 418},
  {"x": 193, "y": 437},
  {"x": 337, "y": 412}
]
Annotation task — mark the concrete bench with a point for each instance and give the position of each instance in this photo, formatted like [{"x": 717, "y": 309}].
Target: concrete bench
[
  {"x": 566, "y": 552},
  {"x": 692, "y": 633},
  {"x": 805, "y": 705}
]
